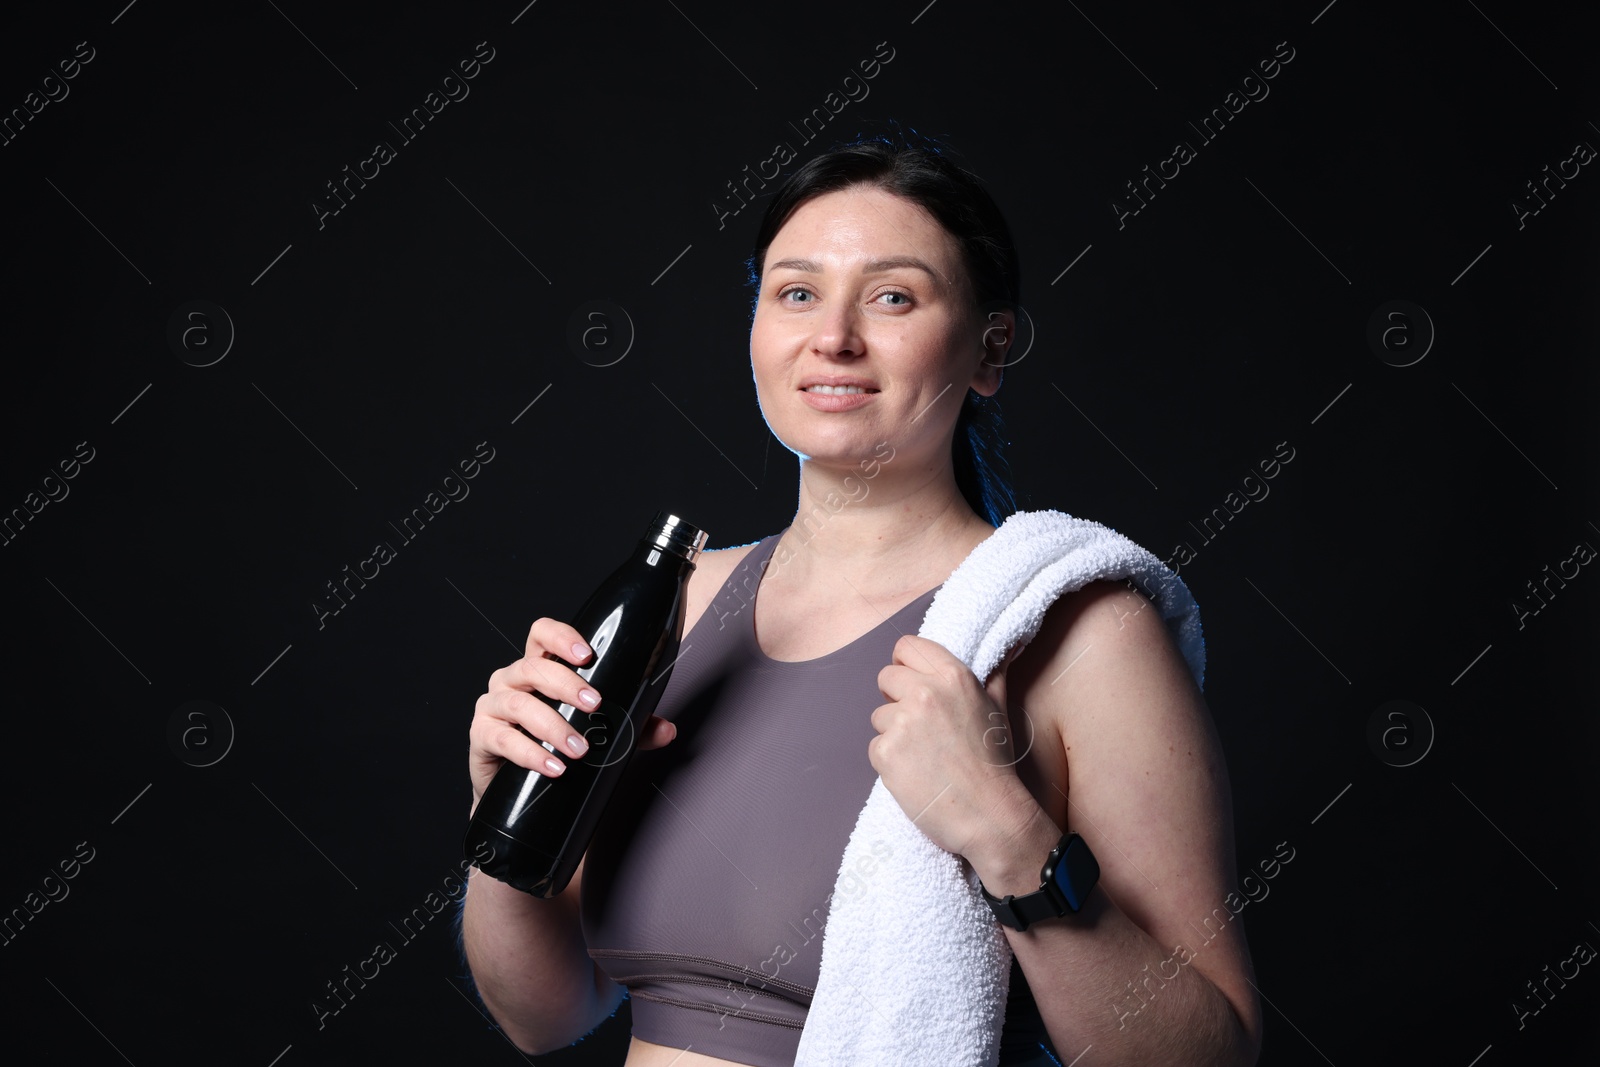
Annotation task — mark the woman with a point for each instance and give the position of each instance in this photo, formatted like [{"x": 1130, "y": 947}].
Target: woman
[{"x": 886, "y": 287}]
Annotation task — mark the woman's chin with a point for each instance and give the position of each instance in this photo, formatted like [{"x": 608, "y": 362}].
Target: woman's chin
[{"x": 832, "y": 448}]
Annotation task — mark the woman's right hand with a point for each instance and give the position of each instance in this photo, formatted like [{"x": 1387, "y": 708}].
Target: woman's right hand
[{"x": 510, "y": 700}]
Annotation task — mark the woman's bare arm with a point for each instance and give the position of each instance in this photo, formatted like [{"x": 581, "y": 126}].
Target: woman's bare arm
[
  {"x": 531, "y": 966},
  {"x": 1155, "y": 970}
]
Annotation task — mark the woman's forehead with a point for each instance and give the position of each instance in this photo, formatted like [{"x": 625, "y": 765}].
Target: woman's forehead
[{"x": 850, "y": 227}]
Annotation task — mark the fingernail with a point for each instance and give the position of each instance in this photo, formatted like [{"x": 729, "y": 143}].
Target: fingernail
[
  {"x": 580, "y": 650},
  {"x": 577, "y": 744},
  {"x": 589, "y": 697},
  {"x": 553, "y": 766}
]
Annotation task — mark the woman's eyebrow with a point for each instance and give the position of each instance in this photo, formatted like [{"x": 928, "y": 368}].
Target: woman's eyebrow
[{"x": 876, "y": 266}]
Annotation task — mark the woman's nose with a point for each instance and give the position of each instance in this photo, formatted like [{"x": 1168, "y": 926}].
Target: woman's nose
[{"x": 838, "y": 332}]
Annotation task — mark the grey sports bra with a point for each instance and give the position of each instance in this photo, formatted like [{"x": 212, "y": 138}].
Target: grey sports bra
[{"x": 706, "y": 889}]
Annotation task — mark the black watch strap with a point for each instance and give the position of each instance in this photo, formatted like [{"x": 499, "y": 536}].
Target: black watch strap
[
  {"x": 1068, "y": 875},
  {"x": 1021, "y": 912}
]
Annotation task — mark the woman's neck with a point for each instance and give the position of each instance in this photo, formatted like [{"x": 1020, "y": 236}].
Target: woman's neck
[{"x": 877, "y": 529}]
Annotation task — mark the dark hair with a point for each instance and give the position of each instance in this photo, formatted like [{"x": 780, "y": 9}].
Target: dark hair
[{"x": 914, "y": 167}]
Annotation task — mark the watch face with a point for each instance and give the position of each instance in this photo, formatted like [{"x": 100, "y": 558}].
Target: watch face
[{"x": 1076, "y": 872}]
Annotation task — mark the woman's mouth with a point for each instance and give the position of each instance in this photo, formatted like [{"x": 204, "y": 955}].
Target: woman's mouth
[{"x": 837, "y": 397}]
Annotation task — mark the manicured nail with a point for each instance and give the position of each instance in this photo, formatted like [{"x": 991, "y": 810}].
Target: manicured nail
[
  {"x": 553, "y": 766},
  {"x": 580, "y": 650},
  {"x": 589, "y": 697},
  {"x": 577, "y": 744}
]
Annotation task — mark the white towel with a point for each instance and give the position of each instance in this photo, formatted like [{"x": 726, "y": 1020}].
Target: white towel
[{"x": 915, "y": 968}]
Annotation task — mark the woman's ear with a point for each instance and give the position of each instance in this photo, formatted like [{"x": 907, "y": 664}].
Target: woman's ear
[{"x": 999, "y": 330}]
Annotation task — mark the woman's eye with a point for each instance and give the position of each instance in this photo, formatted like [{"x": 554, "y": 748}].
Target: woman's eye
[{"x": 899, "y": 299}]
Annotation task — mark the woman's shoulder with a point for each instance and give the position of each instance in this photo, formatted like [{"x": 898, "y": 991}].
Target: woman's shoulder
[
  {"x": 714, "y": 565},
  {"x": 712, "y": 568},
  {"x": 1132, "y": 646}
]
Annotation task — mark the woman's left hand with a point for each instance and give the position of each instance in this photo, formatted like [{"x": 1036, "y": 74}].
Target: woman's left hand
[{"x": 944, "y": 746}]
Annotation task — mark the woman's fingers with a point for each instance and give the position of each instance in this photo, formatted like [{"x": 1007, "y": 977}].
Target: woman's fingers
[
  {"x": 557, "y": 638},
  {"x": 509, "y": 721},
  {"x": 656, "y": 733}
]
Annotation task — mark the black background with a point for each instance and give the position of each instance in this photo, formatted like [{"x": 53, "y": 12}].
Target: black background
[{"x": 371, "y": 355}]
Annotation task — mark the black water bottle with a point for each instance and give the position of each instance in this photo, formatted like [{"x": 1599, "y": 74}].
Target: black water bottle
[{"x": 529, "y": 830}]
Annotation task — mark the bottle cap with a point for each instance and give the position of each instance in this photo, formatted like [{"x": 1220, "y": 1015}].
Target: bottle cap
[{"x": 672, "y": 533}]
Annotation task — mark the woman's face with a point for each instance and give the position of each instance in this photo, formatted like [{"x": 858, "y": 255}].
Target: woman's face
[{"x": 863, "y": 285}]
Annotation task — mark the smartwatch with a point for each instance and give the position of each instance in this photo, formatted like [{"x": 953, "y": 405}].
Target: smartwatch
[{"x": 1064, "y": 884}]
